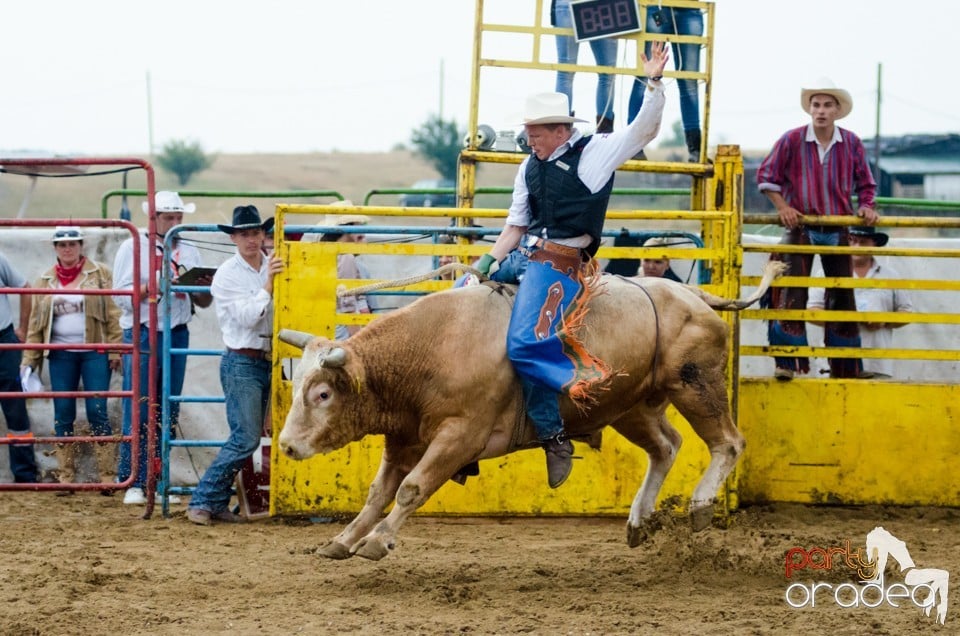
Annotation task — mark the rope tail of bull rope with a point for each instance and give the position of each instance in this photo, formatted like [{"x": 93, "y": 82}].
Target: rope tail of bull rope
[{"x": 410, "y": 280}]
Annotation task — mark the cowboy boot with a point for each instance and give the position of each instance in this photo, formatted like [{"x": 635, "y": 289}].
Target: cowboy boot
[
  {"x": 604, "y": 125},
  {"x": 106, "y": 455},
  {"x": 67, "y": 459},
  {"x": 559, "y": 460}
]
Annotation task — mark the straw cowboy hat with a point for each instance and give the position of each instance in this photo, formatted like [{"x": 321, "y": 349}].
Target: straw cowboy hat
[
  {"x": 824, "y": 86},
  {"x": 867, "y": 231},
  {"x": 334, "y": 220},
  {"x": 246, "y": 217},
  {"x": 167, "y": 201},
  {"x": 548, "y": 108},
  {"x": 67, "y": 233}
]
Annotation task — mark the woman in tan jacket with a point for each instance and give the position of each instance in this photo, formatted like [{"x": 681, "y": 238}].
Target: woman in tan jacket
[{"x": 61, "y": 317}]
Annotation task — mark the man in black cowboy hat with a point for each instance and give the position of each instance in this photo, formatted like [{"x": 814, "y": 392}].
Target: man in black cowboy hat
[
  {"x": 243, "y": 294},
  {"x": 873, "y": 335}
]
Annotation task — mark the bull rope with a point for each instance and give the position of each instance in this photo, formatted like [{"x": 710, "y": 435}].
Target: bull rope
[
  {"x": 410, "y": 280},
  {"x": 656, "y": 326}
]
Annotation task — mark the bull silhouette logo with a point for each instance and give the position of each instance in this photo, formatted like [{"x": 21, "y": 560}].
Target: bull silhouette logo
[{"x": 881, "y": 546}]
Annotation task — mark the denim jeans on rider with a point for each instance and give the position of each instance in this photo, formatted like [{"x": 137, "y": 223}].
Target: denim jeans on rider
[
  {"x": 542, "y": 403},
  {"x": 604, "y": 52},
  {"x": 179, "y": 339},
  {"x": 23, "y": 464},
  {"x": 67, "y": 369},
  {"x": 246, "y": 387},
  {"x": 686, "y": 57}
]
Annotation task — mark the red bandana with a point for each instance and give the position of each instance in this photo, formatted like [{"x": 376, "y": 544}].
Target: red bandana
[{"x": 69, "y": 274}]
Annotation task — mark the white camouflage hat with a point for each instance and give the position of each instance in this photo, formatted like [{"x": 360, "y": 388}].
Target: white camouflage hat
[{"x": 167, "y": 201}]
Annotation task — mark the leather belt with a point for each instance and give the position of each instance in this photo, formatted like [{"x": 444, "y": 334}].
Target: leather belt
[
  {"x": 556, "y": 248},
  {"x": 257, "y": 354}
]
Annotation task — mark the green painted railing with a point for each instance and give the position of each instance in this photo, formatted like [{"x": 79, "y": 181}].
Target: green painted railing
[{"x": 282, "y": 194}]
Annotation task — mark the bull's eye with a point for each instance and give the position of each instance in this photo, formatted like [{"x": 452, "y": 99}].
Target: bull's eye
[{"x": 319, "y": 394}]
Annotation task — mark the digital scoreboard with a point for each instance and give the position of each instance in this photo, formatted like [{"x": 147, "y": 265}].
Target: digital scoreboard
[{"x": 593, "y": 19}]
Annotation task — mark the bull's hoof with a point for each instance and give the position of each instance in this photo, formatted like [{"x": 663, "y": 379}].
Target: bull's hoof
[
  {"x": 642, "y": 532},
  {"x": 334, "y": 550},
  {"x": 700, "y": 518},
  {"x": 636, "y": 536},
  {"x": 370, "y": 549}
]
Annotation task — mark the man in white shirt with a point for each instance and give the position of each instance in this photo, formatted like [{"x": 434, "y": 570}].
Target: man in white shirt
[
  {"x": 872, "y": 335},
  {"x": 170, "y": 210},
  {"x": 243, "y": 292},
  {"x": 552, "y": 232}
]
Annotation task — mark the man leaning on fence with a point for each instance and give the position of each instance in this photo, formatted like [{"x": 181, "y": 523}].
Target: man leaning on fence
[{"x": 814, "y": 170}]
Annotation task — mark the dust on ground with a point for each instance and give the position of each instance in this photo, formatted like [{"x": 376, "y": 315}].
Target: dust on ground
[{"x": 88, "y": 565}]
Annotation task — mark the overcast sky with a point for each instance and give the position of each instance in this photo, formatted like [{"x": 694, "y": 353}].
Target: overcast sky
[{"x": 322, "y": 75}]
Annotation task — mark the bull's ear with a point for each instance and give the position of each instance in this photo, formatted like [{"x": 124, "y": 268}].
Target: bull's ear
[{"x": 299, "y": 339}]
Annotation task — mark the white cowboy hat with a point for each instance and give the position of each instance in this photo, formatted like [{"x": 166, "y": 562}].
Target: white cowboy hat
[
  {"x": 824, "y": 86},
  {"x": 167, "y": 201},
  {"x": 548, "y": 108}
]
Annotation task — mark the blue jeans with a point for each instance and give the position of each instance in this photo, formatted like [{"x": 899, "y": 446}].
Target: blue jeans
[
  {"x": 686, "y": 57},
  {"x": 67, "y": 368},
  {"x": 604, "y": 52},
  {"x": 246, "y": 387},
  {"x": 23, "y": 465},
  {"x": 794, "y": 332},
  {"x": 542, "y": 403},
  {"x": 179, "y": 339}
]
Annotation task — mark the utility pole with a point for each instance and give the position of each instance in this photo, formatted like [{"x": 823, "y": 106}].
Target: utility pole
[
  {"x": 149, "y": 116},
  {"x": 876, "y": 136},
  {"x": 441, "y": 90}
]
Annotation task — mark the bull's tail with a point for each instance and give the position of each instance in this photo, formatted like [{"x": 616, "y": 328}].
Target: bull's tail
[{"x": 772, "y": 271}]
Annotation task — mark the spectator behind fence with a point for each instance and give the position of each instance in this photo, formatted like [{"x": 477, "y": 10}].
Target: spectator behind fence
[
  {"x": 604, "y": 53},
  {"x": 658, "y": 267},
  {"x": 686, "y": 57},
  {"x": 23, "y": 464},
  {"x": 243, "y": 291},
  {"x": 348, "y": 266},
  {"x": 170, "y": 210},
  {"x": 815, "y": 170},
  {"x": 65, "y": 318},
  {"x": 872, "y": 335}
]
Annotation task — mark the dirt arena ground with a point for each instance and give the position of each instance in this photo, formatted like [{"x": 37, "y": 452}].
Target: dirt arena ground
[{"x": 88, "y": 565}]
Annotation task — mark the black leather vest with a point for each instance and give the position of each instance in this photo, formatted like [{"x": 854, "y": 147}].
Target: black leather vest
[{"x": 561, "y": 203}]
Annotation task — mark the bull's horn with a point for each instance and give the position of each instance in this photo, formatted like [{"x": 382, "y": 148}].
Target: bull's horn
[
  {"x": 335, "y": 358},
  {"x": 299, "y": 339}
]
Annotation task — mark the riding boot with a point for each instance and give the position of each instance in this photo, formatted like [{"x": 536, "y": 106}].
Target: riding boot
[
  {"x": 106, "y": 464},
  {"x": 604, "y": 124},
  {"x": 67, "y": 459},
  {"x": 543, "y": 409},
  {"x": 559, "y": 460},
  {"x": 693, "y": 144}
]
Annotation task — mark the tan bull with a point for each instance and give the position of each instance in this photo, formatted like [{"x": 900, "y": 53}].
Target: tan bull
[{"x": 433, "y": 378}]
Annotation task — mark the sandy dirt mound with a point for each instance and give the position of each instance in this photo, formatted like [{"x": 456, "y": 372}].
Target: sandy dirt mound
[{"x": 88, "y": 565}]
